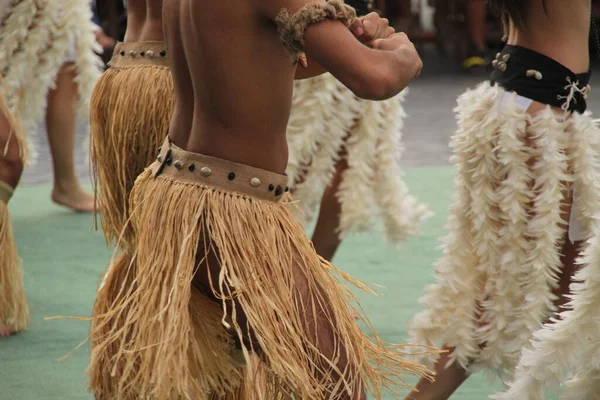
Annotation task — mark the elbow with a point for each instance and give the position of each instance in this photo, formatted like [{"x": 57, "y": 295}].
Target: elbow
[
  {"x": 378, "y": 88},
  {"x": 383, "y": 83}
]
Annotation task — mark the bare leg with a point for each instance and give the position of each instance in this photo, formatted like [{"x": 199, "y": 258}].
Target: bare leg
[
  {"x": 61, "y": 124},
  {"x": 318, "y": 318},
  {"x": 475, "y": 11},
  {"x": 325, "y": 237},
  {"x": 11, "y": 168},
  {"x": 447, "y": 381}
]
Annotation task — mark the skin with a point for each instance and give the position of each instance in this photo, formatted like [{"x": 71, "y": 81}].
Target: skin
[
  {"x": 221, "y": 115},
  {"x": 475, "y": 13},
  {"x": 233, "y": 91},
  {"x": 561, "y": 32},
  {"x": 144, "y": 21},
  {"x": 325, "y": 236}
]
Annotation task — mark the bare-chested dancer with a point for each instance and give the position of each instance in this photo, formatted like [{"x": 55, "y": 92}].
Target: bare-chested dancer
[
  {"x": 528, "y": 198},
  {"x": 220, "y": 266},
  {"x": 131, "y": 110}
]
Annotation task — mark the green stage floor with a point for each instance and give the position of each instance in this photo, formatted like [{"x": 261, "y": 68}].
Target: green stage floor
[{"x": 63, "y": 259}]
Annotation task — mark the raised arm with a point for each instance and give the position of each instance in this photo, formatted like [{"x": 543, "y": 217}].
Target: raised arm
[{"x": 312, "y": 27}]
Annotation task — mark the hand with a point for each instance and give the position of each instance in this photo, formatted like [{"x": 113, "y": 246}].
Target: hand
[
  {"x": 400, "y": 43},
  {"x": 371, "y": 27}
]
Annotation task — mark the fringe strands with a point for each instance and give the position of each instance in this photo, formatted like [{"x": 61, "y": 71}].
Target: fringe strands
[
  {"x": 153, "y": 354},
  {"x": 502, "y": 254},
  {"x": 13, "y": 304},
  {"x": 368, "y": 135},
  {"x": 129, "y": 121},
  {"x": 566, "y": 350},
  {"x": 14, "y": 311}
]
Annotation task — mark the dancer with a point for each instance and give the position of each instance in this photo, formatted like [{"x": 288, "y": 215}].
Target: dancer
[
  {"x": 48, "y": 62},
  {"x": 475, "y": 16},
  {"x": 527, "y": 173},
  {"x": 131, "y": 109},
  {"x": 14, "y": 313},
  {"x": 219, "y": 263},
  {"x": 344, "y": 154}
]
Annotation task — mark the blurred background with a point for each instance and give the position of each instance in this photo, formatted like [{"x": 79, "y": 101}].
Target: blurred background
[{"x": 460, "y": 31}]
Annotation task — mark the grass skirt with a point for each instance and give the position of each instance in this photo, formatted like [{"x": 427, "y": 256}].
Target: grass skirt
[
  {"x": 328, "y": 120},
  {"x": 155, "y": 336},
  {"x": 14, "y": 311},
  {"x": 131, "y": 110},
  {"x": 501, "y": 257}
]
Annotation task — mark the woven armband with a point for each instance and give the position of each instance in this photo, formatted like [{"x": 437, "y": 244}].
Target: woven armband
[{"x": 293, "y": 27}]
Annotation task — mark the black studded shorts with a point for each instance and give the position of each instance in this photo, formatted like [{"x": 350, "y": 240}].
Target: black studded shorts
[
  {"x": 540, "y": 78},
  {"x": 185, "y": 166}
]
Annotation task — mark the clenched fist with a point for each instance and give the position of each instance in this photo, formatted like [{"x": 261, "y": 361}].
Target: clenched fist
[
  {"x": 401, "y": 44},
  {"x": 370, "y": 28}
]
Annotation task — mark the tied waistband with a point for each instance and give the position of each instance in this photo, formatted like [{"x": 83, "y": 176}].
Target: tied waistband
[
  {"x": 537, "y": 77},
  {"x": 185, "y": 166},
  {"x": 130, "y": 54}
]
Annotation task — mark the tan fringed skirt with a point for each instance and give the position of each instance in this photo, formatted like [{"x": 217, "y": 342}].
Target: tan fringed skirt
[
  {"x": 14, "y": 312},
  {"x": 219, "y": 264},
  {"x": 130, "y": 115}
]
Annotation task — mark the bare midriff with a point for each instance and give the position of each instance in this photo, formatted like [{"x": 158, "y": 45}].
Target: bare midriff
[
  {"x": 233, "y": 82},
  {"x": 557, "y": 32},
  {"x": 144, "y": 21}
]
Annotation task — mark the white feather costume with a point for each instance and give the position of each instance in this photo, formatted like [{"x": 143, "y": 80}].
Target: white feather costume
[
  {"x": 36, "y": 38},
  {"x": 494, "y": 281},
  {"x": 327, "y": 117},
  {"x": 566, "y": 352}
]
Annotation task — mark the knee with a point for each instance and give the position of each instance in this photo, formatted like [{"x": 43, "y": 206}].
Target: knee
[{"x": 11, "y": 164}]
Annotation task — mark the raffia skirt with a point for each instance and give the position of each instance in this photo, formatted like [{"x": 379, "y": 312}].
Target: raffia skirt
[
  {"x": 130, "y": 115},
  {"x": 501, "y": 256},
  {"x": 14, "y": 311},
  {"x": 158, "y": 335},
  {"x": 328, "y": 122}
]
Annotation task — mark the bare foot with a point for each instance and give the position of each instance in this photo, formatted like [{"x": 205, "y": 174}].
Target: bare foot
[
  {"x": 6, "y": 330},
  {"x": 74, "y": 198}
]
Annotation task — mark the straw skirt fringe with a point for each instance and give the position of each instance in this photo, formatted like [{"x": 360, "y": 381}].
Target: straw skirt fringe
[
  {"x": 158, "y": 339},
  {"x": 130, "y": 115},
  {"x": 328, "y": 119},
  {"x": 14, "y": 311},
  {"x": 501, "y": 257},
  {"x": 566, "y": 352}
]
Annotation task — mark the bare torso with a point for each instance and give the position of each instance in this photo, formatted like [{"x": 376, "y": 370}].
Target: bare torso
[
  {"x": 560, "y": 32},
  {"x": 233, "y": 82},
  {"x": 144, "y": 21}
]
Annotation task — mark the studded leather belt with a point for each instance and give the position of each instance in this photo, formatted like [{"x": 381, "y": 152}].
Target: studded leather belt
[
  {"x": 131, "y": 54},
  {"x": 175, "y": 163}
]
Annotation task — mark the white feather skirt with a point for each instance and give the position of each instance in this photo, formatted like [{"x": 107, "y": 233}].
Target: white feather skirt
[
  {"x": 326, "y": 119},
  {"x": 501, "y": 256},
  {"x": 36, "y": 36}
]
